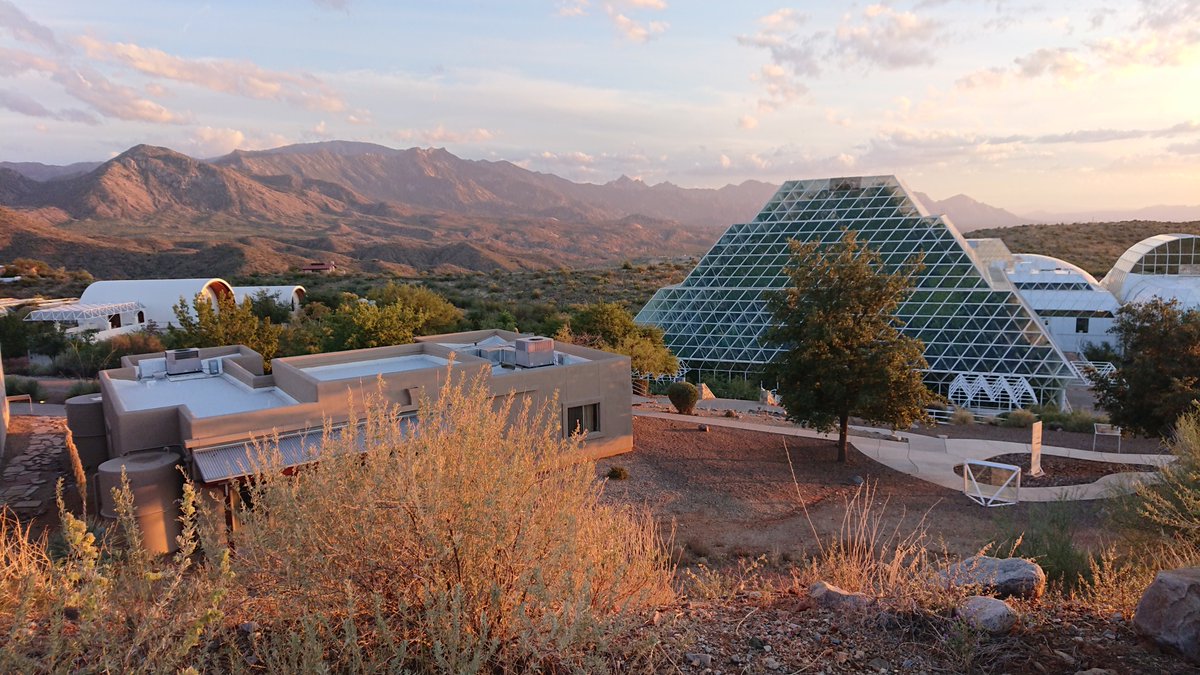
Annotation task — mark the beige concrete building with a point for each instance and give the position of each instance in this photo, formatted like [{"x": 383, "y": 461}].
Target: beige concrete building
[{"x": 213, "y": 403}]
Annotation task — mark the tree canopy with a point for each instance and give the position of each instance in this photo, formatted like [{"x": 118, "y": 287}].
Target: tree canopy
[
  {"x": 610, "y": 327},
  {"x": 1158, "y": 373},
  {"x": 227, "y": 323},
  {"x": 439, "y": 316},
  {"x": 844, "y": 352}
]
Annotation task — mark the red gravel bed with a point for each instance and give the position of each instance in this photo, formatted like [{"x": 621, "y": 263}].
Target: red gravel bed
[{"x": 1061, "y": 471}]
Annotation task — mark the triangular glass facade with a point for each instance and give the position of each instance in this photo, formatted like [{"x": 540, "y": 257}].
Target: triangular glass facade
[{"x": 984, "y": 346}]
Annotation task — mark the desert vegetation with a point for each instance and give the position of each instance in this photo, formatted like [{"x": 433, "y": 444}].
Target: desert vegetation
[
  {"x": 1092, "y": 246},
  {"x": 469, "y": 545}
]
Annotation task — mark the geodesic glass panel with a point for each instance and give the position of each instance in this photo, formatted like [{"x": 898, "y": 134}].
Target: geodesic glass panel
[{"x": 972, "y": 327}]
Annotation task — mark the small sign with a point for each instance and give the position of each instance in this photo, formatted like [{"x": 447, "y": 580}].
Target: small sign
[{"x": 1035, "y": 450}]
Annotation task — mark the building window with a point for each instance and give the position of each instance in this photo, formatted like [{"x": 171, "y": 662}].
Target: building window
[
  {"x": 141, "y": 316},
  {"x": 583, "y": 418},
  {"x": 1081, "y": 324}
]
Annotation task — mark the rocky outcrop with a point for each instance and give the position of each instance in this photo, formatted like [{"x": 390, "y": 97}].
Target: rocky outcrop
[
  {"x": 1002, "y": 577},
  {"x": 987, "y": 614},
  {"x": 1169, "y": 611}
]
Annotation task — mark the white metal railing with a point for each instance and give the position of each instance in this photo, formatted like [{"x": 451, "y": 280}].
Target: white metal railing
[
  {"x": 1082, "y": 368},
  {"x": 967, "y": 388}
]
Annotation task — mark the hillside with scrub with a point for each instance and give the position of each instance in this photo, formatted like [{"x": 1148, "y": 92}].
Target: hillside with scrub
[{"x": 1092, "y": 246}]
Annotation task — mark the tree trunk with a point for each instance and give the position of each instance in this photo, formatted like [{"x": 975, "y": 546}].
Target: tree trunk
[{"x": 843, "y": 433}]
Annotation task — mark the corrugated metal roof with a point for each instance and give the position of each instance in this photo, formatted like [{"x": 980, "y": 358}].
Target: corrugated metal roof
[{"x": 226, "y": 462}]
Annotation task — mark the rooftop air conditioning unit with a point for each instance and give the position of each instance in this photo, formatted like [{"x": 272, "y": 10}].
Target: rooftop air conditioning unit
[
  {"x": 183, "y": 361},
  {"x": 534, "y": 352}
]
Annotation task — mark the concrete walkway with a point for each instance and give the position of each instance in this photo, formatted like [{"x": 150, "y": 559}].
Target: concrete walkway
[
  {"x": 933, "y": 459},
  {"x": 37, "y": 409}
]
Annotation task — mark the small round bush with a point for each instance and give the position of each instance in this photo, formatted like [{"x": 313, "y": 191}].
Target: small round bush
[
  {"x": 618, "y": 473},
  {"x": 1020, "y": 419},
  {"x": 962, "y": 417},
  {"x": 684, "y": 396}
]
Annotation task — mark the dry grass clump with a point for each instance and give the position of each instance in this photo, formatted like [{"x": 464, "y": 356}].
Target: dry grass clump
[
  {"x": 898, "y": 565},
  {"x": 470, "y": 545},
  {"x": 962, "y": 417},
  {"x": 465, "y": 545}
]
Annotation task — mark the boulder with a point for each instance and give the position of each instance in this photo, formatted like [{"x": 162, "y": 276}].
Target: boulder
[
  {"x": 1169, "y": 611},
  {"x": 987, "y": 614},
  {"x": 1002, "y": 577},
  {"x": 831, "y": 597}
]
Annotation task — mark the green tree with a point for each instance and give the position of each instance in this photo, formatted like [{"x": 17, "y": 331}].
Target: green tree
[
  {"x": 440, "y": 315},
  {"x": 1158, "y": 374},
  {"x": 228, "y": 323},
  {"x": 358, "y": 325},
  {"x": 267, "y": 305},
  {"x": 843, "y": 351},
  {"x": 610, "y": 327}
]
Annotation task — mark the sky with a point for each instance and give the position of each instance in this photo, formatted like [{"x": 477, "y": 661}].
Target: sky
[{"x": 1031, "y": 106}]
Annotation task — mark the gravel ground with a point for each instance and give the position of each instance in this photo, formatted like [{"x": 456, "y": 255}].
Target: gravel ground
[
  {"x": 1063, "y": 470},
  {"x": 731, "y": 492}
]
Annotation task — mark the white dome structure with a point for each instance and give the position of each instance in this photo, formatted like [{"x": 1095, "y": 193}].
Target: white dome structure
[
  {"x": 1075, "y": 308},
  {"x": 1164, "y": 266},
  {"x": 289, "y": 296},
  {"x": 157, "y": 297}
]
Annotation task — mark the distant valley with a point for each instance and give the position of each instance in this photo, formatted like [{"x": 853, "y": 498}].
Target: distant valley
[{"x": 153, "y": 211}]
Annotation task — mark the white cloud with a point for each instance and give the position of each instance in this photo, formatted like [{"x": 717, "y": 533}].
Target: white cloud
[
  {"x": 20, "y": 26},
  {"x": 725, "y": 161},
  {"x": 240, "y": 78},
  {"x": 747, "y": 122},
  {"x": 887, "y": 38},
  {"x": 632, "y": 29},
  {"x": 26, "y": 105},
  {"x": 440, "y": 134}
]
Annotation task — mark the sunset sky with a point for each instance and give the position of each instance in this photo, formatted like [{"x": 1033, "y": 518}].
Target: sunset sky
[{"x": 1024, "y": 105}]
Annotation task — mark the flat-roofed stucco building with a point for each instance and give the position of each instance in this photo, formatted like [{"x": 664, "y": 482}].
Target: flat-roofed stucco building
[{"x": 213, "y": 403}]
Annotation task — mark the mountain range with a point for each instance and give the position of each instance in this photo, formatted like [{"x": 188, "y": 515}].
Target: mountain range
[{"x": 154, "y": 211}]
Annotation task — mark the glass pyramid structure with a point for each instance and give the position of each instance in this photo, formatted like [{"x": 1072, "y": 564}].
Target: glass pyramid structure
[{"x": 985, "y": 346}]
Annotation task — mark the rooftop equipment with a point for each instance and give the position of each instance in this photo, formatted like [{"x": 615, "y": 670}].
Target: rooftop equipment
[
  {"x": 534, "y": 352},
  {"x": 183, "y": 361}
]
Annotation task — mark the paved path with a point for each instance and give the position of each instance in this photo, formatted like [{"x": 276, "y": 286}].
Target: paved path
[
  {"x": 27, "y": 482},
  {"x": 37, "y": 409},
  {"x": 933, "y": 459}
]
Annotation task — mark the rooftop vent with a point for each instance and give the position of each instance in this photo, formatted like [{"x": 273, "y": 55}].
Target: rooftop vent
[
  {"x": 183, "y": 361},
  {"x": 534, "y": 352}
]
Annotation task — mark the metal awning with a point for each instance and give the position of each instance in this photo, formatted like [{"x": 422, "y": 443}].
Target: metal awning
[
  {"x": 236, "y": 460},
  {"x": 77, "y": 311}
]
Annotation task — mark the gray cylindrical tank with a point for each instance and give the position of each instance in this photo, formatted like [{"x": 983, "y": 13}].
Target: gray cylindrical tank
[
  {"x": 85, "y": 419},
  {"x": 157, "y": 486}
]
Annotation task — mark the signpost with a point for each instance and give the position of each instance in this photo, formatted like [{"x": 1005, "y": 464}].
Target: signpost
[{"x": 1035, "y": 450}]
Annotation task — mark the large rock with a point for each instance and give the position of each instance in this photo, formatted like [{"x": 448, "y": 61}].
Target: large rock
[
  {"x": 1169, "y": 611},
  {"x": 987, "y": 614},
  {"x": 1003, "y": 577},
  {"x": 831, "y": 597}
]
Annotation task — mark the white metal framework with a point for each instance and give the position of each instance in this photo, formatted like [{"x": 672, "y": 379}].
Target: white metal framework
[
  {"x": 1165, "y": 266},
  {"x": 81, "y": 311},
  {"x": 1002, "y": 480},
  {"x": 972, "y": 324}
]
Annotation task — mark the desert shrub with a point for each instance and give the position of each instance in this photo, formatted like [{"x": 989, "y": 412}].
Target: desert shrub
[
  {"x": 1080, "y": 421},
  {"x": 618, "y": 473},
  {"x": 1049, "y": 539},
  {"x": 1172, "y": 504},
  {"x": 744, "y": 389},
  {"x": 83, "y": 387},
  {"x": 473, "y": 545},
  {"x": 1020, "y": 419},
  {"x": 962, "y": 417},
  {"x": 17, "y": 386},
  {"x": 104, "y": 606},
  {"x": 683, "y": 395}
]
